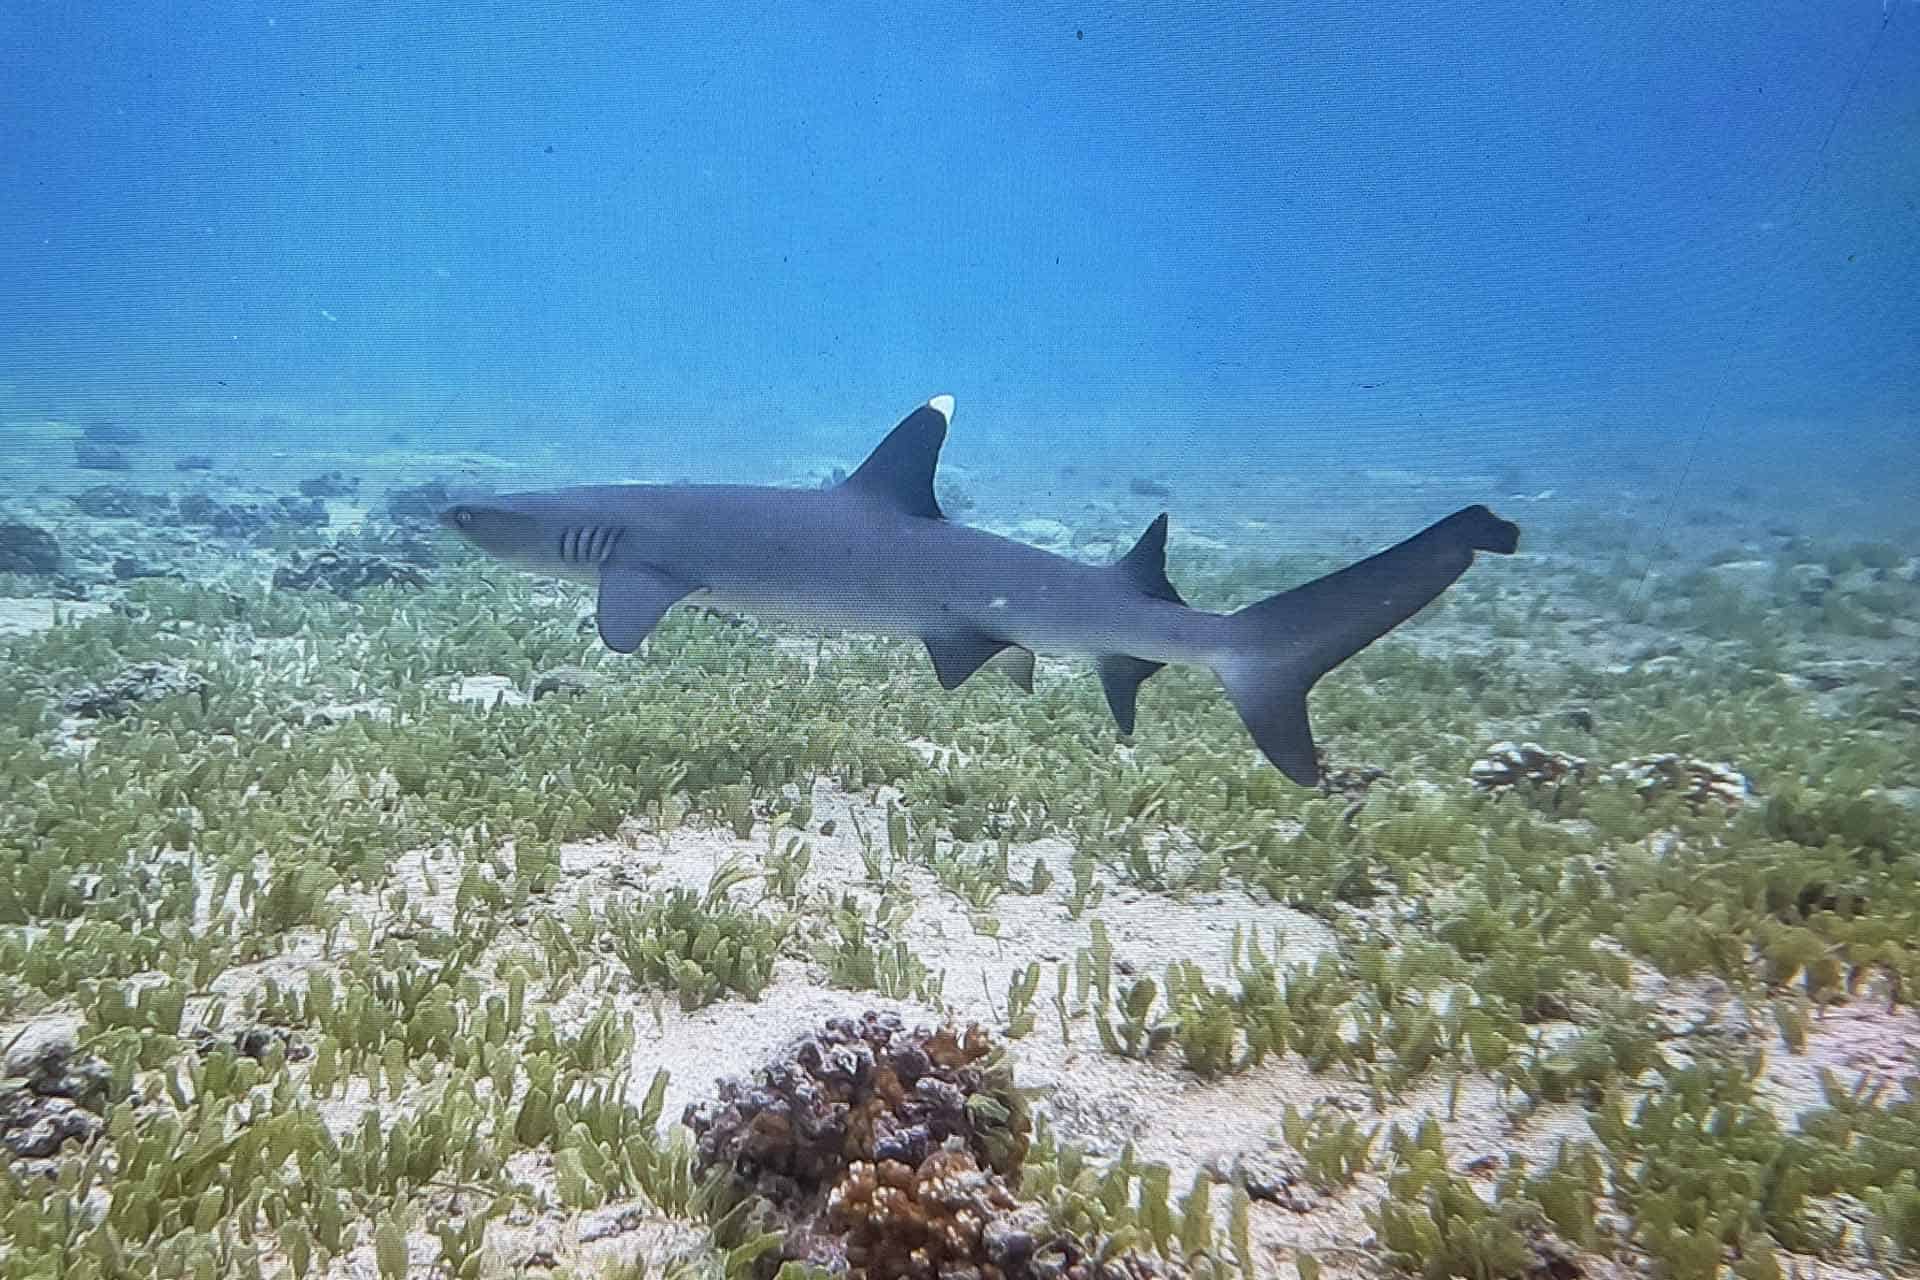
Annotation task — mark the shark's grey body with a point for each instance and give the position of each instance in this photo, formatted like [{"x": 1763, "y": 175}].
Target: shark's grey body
[{"x": 875, "y": 554}]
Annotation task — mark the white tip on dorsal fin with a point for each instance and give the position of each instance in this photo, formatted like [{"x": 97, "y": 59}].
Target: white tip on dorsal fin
[{"x": 942, "y": 405}]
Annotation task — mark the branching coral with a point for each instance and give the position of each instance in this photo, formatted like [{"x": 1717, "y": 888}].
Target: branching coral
[
  {"x": 902, "y": 1221},
  {"x": 866, "y": 1089},
  {"x": 950, "y": 1218},
  {"x": 894, "y": 1154}
]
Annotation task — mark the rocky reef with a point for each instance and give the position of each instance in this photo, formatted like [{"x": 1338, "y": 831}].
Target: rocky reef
[
  {"x": 344, "y": 573},
  {"x": 27, "y": 548},
  {"x": 419, "y": 502},
  {"x": 88, "y": 456},
  {"x": 246, "y": 519},
  {"x": 332, "y": 484},
  {"x": 117, "y": 502}
]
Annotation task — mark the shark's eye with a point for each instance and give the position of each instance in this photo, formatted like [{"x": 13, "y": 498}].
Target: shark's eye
[{"x": 463, "y": 516}]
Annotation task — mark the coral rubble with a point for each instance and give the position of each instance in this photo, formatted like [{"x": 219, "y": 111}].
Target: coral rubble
[
  {"x": 141, "y": 682},
  {"x": 116, "y": 502},
  {"x": 1696, "y": 781},
  {"x": 51, "y": 1096},
  {"x": 1507, "y": 765}
]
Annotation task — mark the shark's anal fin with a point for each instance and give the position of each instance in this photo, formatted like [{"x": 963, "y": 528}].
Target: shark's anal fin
[
  {"x": 632, "y": 602},
  {"x": 958, "y": 654},
  {"x": 1145, "y": 567},
  {"x": 899, "y": 473},
  {"x": 1121, "y": 678},
  {"x": 1017, "y": 664}
]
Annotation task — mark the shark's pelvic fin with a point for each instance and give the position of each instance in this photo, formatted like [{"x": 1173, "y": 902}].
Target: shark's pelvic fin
[
  {"x": 1121, "y": 678},
  {"x": 958, "y": 654},
  {"x": 1146, "y": 565},
  {"x": 632, "y": 602},
  {"x": 899, "y": 473}
]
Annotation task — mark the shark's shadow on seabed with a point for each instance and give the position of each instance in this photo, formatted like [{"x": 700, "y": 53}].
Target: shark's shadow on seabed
[{"x": 876, "y": 554}]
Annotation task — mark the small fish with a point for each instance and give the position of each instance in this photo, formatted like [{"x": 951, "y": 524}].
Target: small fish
[{"x": 875, "y": 553}]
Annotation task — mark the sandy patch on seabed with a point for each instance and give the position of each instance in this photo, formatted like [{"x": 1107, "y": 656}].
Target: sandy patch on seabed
[{"x": 1092, "y": 1098}]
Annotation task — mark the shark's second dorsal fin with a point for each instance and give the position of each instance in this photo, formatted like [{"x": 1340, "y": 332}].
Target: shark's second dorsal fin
[
  {"x": 900, "y": 472},
  {"x": 1146, "y": 565}
]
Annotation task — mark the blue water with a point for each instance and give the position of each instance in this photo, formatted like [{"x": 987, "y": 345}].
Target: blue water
[{"x": 1500, "y": 229}]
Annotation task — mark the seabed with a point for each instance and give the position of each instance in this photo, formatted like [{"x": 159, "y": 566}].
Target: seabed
[{"x": 360, "y": 915}]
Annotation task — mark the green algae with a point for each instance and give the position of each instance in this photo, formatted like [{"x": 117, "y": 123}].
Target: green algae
[{"x": 1535, "y": 913}]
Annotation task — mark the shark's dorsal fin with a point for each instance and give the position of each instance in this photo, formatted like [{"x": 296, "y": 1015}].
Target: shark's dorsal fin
[
  {"x": 900, "y": 472},
  {"x": 1146, "y": 565},
  {"x": 1121, "y": 678}
]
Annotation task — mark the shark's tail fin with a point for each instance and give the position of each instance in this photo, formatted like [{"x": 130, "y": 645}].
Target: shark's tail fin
[{"x": 1281, "y": 645}]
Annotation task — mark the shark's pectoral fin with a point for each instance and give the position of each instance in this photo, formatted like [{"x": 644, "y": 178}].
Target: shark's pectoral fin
[
  {"x": 958, "y": 654},
  {"x": 1017, "y": 664},
  {"x": 1121, "y": 678},
  {"x": 632, "y": 602}
]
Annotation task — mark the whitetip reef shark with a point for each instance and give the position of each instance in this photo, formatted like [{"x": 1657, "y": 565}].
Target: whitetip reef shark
[{"x": 876, "y": 554}]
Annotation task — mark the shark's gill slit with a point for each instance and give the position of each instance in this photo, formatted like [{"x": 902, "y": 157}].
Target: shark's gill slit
[{"x": 584, "y": 544}]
